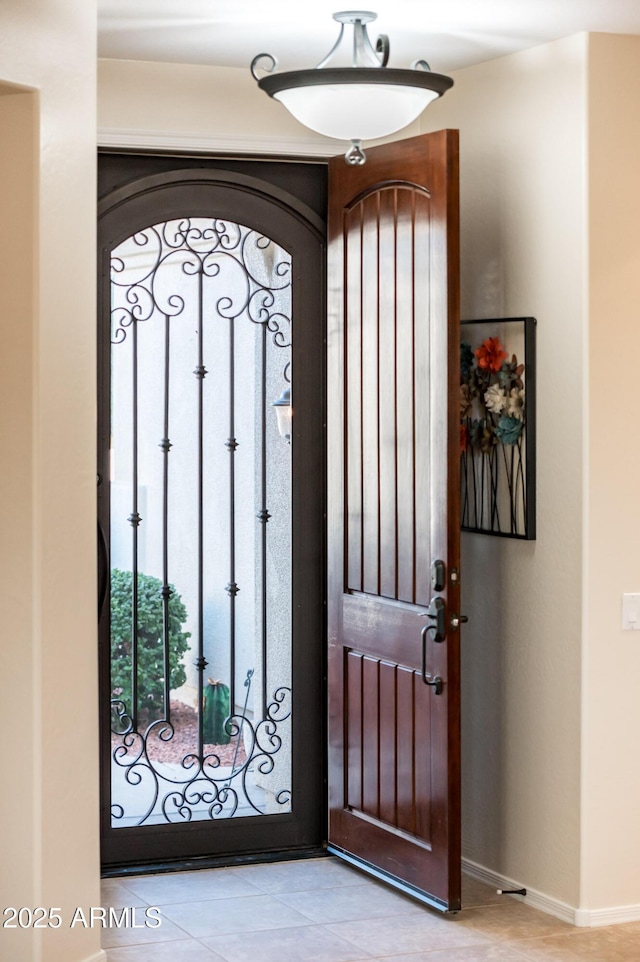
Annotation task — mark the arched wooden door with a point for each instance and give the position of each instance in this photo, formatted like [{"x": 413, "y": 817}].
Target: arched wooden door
[{"x": 393, "y": 516}]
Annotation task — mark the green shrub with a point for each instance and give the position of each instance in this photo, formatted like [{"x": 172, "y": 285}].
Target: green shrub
[{"x": 150, "y": 629}]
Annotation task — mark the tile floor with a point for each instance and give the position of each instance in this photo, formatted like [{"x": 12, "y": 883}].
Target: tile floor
[{"x": 321, "y": 910}]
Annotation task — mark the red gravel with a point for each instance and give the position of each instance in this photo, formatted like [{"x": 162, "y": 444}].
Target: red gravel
[{"x": 184, "y": 740}]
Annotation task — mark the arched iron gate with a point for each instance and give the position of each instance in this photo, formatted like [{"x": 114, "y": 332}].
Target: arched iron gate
[{"x": 210, "y": 521}]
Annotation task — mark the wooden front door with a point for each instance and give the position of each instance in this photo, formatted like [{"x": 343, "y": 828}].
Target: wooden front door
[{"x": 393, "y": 516}]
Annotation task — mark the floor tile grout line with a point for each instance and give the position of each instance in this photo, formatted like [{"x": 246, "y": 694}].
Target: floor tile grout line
[
  {"x": 485, "y": 941},
  {"x": 187, "y": 935},
  {"x": 525, "y": 955},
  {"x": 258, "y": 891},
  {"x": 189, "y": 901},
  {"x": 124, "y": 881},
  {"x": 209, "y": 949},
  {"x": 367, "y": 957},
  {"x": 392, "y": 914},
  {"x": 144, "y": 945}
]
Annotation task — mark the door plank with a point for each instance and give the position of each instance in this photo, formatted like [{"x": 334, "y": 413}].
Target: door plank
[
  {"x": 370, "y": 404},
  {"x": 387, "y": 399},
  {"x": 405, "y": 424},
  {"x": 422, "y": 761},
  {"x": 424, "y": 370},
  {"x": 388, "y": 712},
  {"x": 354, "y": 728},
  {"x": 406, "y": 751},
  {"x": 353, "y": 256},
  {"x": 370, "y": 737}
]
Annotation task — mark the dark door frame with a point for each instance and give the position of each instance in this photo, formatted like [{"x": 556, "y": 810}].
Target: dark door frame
[{"x": 292, "y": 224}]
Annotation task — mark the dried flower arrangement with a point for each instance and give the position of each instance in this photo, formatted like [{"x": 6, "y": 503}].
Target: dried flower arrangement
[{"x": 493, "y": 438}]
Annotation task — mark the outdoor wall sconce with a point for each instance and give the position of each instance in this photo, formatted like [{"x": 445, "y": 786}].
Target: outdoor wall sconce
[
  {"x": 284, "y": 413},
  {"x": 352, "y": 94}
]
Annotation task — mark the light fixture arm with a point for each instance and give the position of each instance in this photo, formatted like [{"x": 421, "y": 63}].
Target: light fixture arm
[
  {"x": 383, "y": 48},
  {"x": 268, "y": 66},
  {"x": 363, "y": 53},
  {"x": 326, "y": 59}
]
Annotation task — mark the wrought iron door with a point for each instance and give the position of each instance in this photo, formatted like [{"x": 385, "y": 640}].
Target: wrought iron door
[{"x": 211, "y": 626}]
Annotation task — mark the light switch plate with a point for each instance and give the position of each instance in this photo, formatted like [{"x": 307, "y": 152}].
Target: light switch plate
[{"x": 631, "y": 612}]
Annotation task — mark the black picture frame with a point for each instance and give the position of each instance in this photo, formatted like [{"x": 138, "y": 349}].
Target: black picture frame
[{"x": 498, "y": 427}]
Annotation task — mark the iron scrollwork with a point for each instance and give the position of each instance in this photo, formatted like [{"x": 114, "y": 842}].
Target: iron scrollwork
[
  {"x": 260, "y": 268},
  {"x": 200, "y": 786},
  {"x": 171, "y": 278}
]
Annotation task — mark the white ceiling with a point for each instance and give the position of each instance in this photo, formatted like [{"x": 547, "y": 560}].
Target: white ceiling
[{"x": 450, "y": 34}]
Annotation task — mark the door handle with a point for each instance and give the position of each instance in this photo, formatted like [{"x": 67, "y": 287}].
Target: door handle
[
  {"x": 436, "y": 682},
  {"x": 437, "y": 612}
]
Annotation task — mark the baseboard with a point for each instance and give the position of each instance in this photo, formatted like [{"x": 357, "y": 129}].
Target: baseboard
[
  {"x": 537, "y": 900},
  {"x": 613, "y": 916},
  {"x": 584, "y": 918},
  {"x": 100, "y": 956},
  {"x": 161, "y": 140}
]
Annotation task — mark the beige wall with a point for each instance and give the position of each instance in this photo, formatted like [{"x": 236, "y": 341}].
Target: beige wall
[
  {"x": 611, "y": 831},
  {"x": 550, "y": 150},
  {"x": 522, "y": 123},
  {"x": 200, "y": 108},
  {"x": 18, "y": 116},
  {"x": 49, "y": 798},
  {"x": 188, "y": 99}
]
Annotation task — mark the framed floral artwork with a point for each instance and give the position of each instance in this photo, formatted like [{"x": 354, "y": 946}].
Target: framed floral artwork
[{"x": 497, "y": 427}]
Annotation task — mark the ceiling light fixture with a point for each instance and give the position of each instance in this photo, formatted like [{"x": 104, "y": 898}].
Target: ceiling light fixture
[{"x": 352, "y": 94}]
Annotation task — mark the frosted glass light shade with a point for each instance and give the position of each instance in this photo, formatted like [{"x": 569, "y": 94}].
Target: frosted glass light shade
[
  {"x": 284, "y": 414},
  {"x": 356, "y": 110},
  {"x": 355, "y": 103}
]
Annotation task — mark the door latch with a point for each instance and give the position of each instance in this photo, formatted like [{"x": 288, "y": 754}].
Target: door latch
[{"x": 457, "y": 620}]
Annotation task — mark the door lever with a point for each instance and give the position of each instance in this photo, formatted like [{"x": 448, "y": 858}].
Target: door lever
[
  {"x": 436, "y": 682},
  {"x": 436, "y": 613}
]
